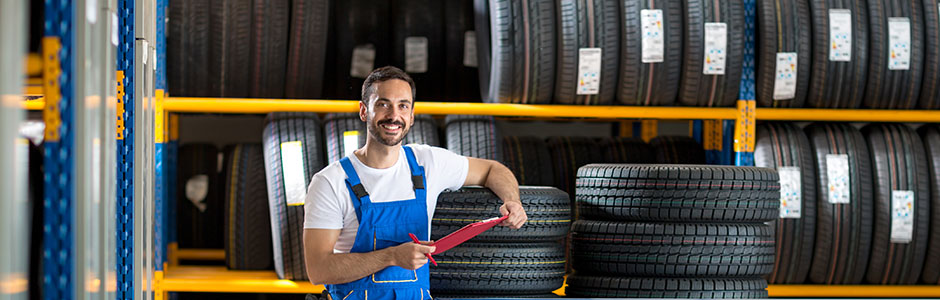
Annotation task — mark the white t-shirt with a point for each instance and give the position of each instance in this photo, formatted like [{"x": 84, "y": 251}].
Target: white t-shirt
[{"x": 328, "y": 205}]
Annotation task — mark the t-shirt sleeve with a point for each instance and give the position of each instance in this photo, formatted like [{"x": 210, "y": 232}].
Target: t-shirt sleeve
[
  {"x": 322, "y": 209},
  {"x": 449, "y": 169}
]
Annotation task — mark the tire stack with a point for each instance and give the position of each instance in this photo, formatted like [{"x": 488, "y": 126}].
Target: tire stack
[
  {"x": 473, "y": 136},
  {"x": 247, "y": 215},
  {"x": 668, "y": 231},
  {"x": 931, "y": 137},
  {"x": 501, "y": 262}
]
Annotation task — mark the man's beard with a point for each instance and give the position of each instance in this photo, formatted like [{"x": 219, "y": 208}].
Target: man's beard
[{"x": 374, "y": 130}]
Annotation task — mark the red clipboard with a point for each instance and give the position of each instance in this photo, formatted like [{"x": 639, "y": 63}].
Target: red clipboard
[{"x": 464, "y": 234}]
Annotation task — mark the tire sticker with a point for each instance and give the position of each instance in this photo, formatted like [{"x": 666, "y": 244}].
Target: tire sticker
[
  {"x": 791, "y": 192},
  {"x": 292, "y": 162},
  {"x": 653, "y": 38},
  {"x": 363, "y": 61},
  {"x": 840, "y": 35},
  {"x": 785, "y": 76},
  {"x": 899, "y": 43},
  {"x": 716, "y": 42},
  {"x": 470, "y": 49},
  {"x": 350, "y": 142},
  {"x": 902, "y": 216},
  {"x": 837, "y": 171},
  {"x": 589, "y": 71},
  {"x": 416, "y": 54}
]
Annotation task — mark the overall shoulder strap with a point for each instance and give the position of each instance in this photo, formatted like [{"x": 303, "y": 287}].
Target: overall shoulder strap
[
  {"x": 357, "y": 193},
  {"x": 417, "y": 171}
]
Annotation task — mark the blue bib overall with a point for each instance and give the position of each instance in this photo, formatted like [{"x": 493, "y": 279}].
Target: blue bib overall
[{"x": 383, "y": 225}]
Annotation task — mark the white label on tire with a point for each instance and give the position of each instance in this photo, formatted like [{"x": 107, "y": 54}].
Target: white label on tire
[
  {"x": 589, "y": 71},
  {"x": 292, "y": 162},
  {"x": 416, "y": 54},
  {"x": 197, "y": 188},
  {"x": 363, "y": 61},
  {"x": 837, "y": 171},
  {"x": 791, "y": 192},
  {"x": 840, "y": 35},
  {"x": 91, "y": 11},
  {"x": 902, "y": 216},
  {"x": 716, "y": 43},
  {"x": 470, "y": 49},
  {"x": 653, "y": 39},
  {"x": 350, "y": 142},
  {"x": 114, "y": 28},
  {"x": 899, "y": 44},
  {"x": 785, "y": 76}
]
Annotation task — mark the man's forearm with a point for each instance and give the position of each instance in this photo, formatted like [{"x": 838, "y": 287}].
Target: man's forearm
[
  {"x": 337, "y": 268},
  {"x": 501, "y": 181}
]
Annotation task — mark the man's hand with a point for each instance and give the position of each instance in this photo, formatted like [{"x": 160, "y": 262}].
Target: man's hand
[
  {"x": 516, "y": 213},
  {"x": 410, "y": 255}
]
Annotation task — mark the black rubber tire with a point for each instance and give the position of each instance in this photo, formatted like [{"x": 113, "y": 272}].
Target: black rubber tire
[
  {"x": 490, "y": 296},
  {"x": 627, "y": 151},
  {"x": 677, "y": 193},
  {"x": 287, "y": 221},
  {"x": 526, "y": 157},
  {"x": 587, "y": 24},
  {"x": 199, "y": 228},
  {"x": 929, "y": 93},
  {"x": 188, "y": 52},
  {"x": 306, "y": 55},
  {"x": 474, "y": 136},
  {"x": 696, "y": 88},
  {"x": 678, "y": 150},
  {"x": 930, "y": 134},
  {"x": 481, "y": 21},
  {"x": 672, "y": 249},
  {"x": 649, "y": 84},
  {"x": 247, "y": 217},
  {"x": 521, "y": 53},
  {"x": 569, "y": 154},
  {"x": 900, "y": 163},
  {"x": 899, "y": 89},
  {"x": 547, "y": 208},
  {"x": 359, "y": 22},
  {"x": 702, "y": 288},
  {"x": 269, "y": 29},
  {"x": 334, "y": 126},
  {"x": 843, "y": 231},
  {"x": 37, "y": 208},
  {"x": 505, "y": 268},
  {"x": 792, "y": 35},
  {"x": 424, "y": 131},
  {"x": 838, "y": 84},
  {"x": 785, "y": 145},
  {"x": 462, "y": 82},
  {"x": 230, "y": 62},
  {"x": 420, "y": 18}
]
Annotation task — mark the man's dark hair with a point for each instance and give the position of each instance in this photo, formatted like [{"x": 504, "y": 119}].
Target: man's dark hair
[{"x": 384, "y": 74}]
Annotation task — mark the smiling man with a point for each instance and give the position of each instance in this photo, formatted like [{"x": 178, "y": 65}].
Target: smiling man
[{"x": 360, "y": 210}]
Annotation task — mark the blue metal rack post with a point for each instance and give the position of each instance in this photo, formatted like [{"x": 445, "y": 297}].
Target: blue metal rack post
[
  {"x": 160, "y": 168},
  {"x": 57, "y": 254},
  {"x": 744, "y": 127},
  {"x": 125, "y": 145}
]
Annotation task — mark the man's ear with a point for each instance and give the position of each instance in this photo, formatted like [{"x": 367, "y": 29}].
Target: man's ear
[{"x": 363, "y": 111}]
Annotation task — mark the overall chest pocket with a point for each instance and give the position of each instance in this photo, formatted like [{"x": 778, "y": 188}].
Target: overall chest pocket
[{"x": 390, "y": 236}]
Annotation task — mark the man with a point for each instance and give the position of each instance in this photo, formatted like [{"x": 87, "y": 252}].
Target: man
[{"x": 360, "y": 210}]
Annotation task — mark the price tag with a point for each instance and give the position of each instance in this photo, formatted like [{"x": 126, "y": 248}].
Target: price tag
[
  {"x": 292, "y": 162},
  {"x": 902, "y": 216},
  {"x": 899, "y": 44},
  {"x": 363, "y": 61},
  {"x": 791, "y": 192},
  {"x": 589, "y": 71},
  {"x": 840, "y": 35},
  {"x": 470, "y": 49},
  {"x": 785, "y": 76},
  {"x": 416, "y": 54},
  {"x": 716, "y": 42},
  {"x": 653, "y": 39},
  {"x": 837, "y": 171}
]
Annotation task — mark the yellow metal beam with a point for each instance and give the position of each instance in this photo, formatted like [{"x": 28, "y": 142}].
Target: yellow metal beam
[
  {"x": 854, "y": 291},
  {"x": 200, "y": 254},
  {"x": 32, "y": 90},
  {"x": 33, "y": 64},
  {"x": 848, "y": 115},
  {"x": 243, "y": 105},
  {"x": 37, "y": 104},
  {"x": 214, "y": 279}
]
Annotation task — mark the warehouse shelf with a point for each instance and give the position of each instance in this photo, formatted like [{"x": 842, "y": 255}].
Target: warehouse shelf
[
  {"x": 847, "y": 115},
  {"x": 217, "y": 279},
  {"x": 175, "y": 255}
]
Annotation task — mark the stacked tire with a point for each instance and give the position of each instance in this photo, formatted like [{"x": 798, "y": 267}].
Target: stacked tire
[
  {"x": 673, "y": 231},
  {"x": 501, "y": 262},
  {"x": 474, "y": 136}
]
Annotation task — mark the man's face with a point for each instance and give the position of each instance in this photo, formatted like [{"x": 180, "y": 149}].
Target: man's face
[{"x": 389, "y": 113}]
